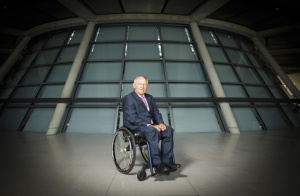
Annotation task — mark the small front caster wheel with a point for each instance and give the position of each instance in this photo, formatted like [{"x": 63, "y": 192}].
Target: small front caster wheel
[{"x": 141, "y": 175}]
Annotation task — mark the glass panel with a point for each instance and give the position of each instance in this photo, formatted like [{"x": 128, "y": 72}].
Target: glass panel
[
  {"x": 246, "y": 119},
  {"x": 51, "y": 91},
  {"x": 46, "y": 57},
  {"x": 75, "y": 36},
  {"x": 234, "y": 91},
  {"x": 14, "y": 78},
  {"x": 257, "y": 92},
  {"x": 209, "y": 37},
  {"x": 153, "y": 70},
  {"x": 27, "y": 60},
  {"x": 266, "y": 78},
  {"x": 36, "y": 44},
  {"x": 277, "y": 93},
  {"x": 179, "y": 52},
  {"x": 98, "y": 90},
  {"x": 92, "y": 120},
  {"x": 246, "y": 44},
  {"x": 25, "y": 92},
  {"x": 156, "y": 90},
  {"x": 236, "y": 57},
  {"x": 11, "y": 118},
  {"x": 142, "y": 51},
  {"x": 67, "y": 54},
  {"x": 106, "y": 52},
  {"x": 5, "y": 92},
  {"x": 226, "y": 73},
  {"x": 189, "y": 119},
  {"x": 143, "y": 33},
  {"x": 189, "y": 90},
  {"x": 164, "y": 113},
  {"x": 175, "y": 33},
  {"x": 102, "y": 71},
  {"x": 248, "y": 75},
  {"x": 185, "y": 71},
  {"x": 253, "y": 60},
  {"x": 217, "y": 55},
  {"x": 227, "y": 40},
  {"x": 110, "y": 33},
  {"x": 35, "y": 75},
  {"x": 59, "y": 73},
  {"x": 273, "y": 118},
  {"x": 56, "y": 40},
  {"x": 39, "y": 120}
]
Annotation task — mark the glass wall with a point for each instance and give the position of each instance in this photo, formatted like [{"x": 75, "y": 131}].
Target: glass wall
[
  {"x": 167, "y": 55},
  {"x": 243, "y": 73}
]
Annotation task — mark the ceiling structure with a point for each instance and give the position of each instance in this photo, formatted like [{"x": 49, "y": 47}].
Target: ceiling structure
[{"x": 276, "y": 21}]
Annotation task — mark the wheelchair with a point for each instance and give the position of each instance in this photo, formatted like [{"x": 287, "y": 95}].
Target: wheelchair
[{"x": 124, "y": 146}]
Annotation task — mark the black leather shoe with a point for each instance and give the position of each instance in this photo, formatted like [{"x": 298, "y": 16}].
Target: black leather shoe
[
  {"x": 161, "y": 168},
  {"x": 173, "y": 166}
]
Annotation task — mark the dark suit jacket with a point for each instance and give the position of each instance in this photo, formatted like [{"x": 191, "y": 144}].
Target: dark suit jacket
[{"x": 135, "y": 113}]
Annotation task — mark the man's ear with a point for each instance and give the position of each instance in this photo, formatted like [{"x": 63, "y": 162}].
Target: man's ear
[{"x": 133, "y": 85}]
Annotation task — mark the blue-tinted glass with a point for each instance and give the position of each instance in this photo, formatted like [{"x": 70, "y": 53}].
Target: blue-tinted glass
[
  {"x": 46, "y": 57},
  {"x": 185, "y": 71},
  {"x": 10, "y": 118},
  {"x": 153, "y": 70},
  {"x": 110, "y": 33},
  {"x": 179, "y": 52},
  {"x": 102, "y": 71},
  {"x": 209, "y": 37},
  {"x": 227, "y": 40},
  {"x": 236, "y": 57},
  {"x": 59, "y": 73},
  {"x": 217, "y": 55},
  {"x": 56, "y": 40},
  {"x": 35, "y": 75},
  {"x": 248, "y": 75},
  {"x": 175, "y": 33},
  {"x": 226, "y": 73},
  {"x": 143, "y": 33},
  {"x": 67, "y": 54},
  {"x": 75, "y": 36},
  {"x": 39, "y": 120},
  {"x": 106, "y": 51},
  {"x": 142, "y": 51},
  {"x": 246, "y": 119}
]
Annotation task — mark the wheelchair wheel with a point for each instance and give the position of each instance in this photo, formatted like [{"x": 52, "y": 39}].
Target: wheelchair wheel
[
  {"x": 144, "y": 152},
  {"x": 123, "y": 150}
]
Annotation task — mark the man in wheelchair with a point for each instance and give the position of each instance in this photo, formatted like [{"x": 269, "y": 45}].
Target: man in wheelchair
[{"x": 140, "y": 114}]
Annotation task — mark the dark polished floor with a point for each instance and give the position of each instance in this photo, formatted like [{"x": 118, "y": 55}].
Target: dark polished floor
[{"x": 213, "y": 164}]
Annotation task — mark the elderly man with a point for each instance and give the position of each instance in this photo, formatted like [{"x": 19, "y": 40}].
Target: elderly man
[{"x": 140, "y": 114}]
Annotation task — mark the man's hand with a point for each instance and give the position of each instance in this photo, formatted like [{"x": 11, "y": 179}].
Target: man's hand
[{"x": 160, "y": 127}]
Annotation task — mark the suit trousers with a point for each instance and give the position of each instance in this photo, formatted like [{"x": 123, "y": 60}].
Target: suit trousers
[{"x": 165, "y": 153}]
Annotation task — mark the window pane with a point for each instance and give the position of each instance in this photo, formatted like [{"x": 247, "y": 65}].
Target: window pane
[
  {"x": 4, "y": 93},
  {"x": 59, "y": 73},
  {"x": 266, "y": 78},
  {"x": 27, "y": 60},
  {"x": 217, "y": 55},
  {"x": 143, "y": 33},
  {"x": 153, "y": 70},
  {"x": 36, "y": 44},
  {"x": 185, "y": 71},
  {"x": 226, "y": 73},
  {"x": 294, "y": 117},
  {"x": 209, "y": 37},
  {"x": 67, "y": 54},
  {"x": 98, "y": 90},
  {"x": 253, "y": 60},
  {"x": 175, "y": 34},
  {"x": 195, "y": 120},
  {"x": 277, "y": 93},
  {"x": 106, "y": 52},
  {"x": 142, "y": 51},
  {"x": 25, "y": 92},
  {"x": 156, "y": 90},
  {"x": 35, "y": 75},
  {"x": 39, "y": 120},
  {"x": 189, "y": 90},
  {"x": 13, "y": 79},
  {"x": 227, "y": 40},
  {"x": 75, "y": 36},
  {"x": 246, "y": 119},
  {"x": 257, "y": 92},
  {"x": 56, "y": 40},
  {"x": 51, "y": 91},
  {"x": 234, "y": 91},
  {"x": 46, "y": 57},
  {"x": 92, "y": 120},
  {"x": 11, "y": 118},
  {"x": 102, "y": 71},
  {"x": 180, "y": 52},
  {"x": 110, "y": 33},
  {"x": 236, "y": 57},
  {"x": 273, "y": 118},
  {"x": 248, "y": 75}
]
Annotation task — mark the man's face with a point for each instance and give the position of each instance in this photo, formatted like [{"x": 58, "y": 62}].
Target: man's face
[{"x": 140, "y": 86}]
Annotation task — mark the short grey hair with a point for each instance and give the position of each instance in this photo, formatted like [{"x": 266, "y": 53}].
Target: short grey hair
[{"x": 139, "y": 77}]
